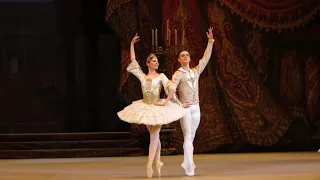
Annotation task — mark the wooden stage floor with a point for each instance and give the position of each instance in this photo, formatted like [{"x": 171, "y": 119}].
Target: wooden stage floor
[{"x": 257, "y": 166}]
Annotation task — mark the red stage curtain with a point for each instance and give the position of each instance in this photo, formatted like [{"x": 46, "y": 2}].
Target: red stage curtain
[
  {"x": 274, "y": 14},
  {"x": 187, "y": 16}
]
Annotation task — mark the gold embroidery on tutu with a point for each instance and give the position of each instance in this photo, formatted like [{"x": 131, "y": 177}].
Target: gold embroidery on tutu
[{"x": 151, "y": 94}]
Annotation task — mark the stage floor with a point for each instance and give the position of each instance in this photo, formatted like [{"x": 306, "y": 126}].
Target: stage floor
[{"x": 257, "y": 166}]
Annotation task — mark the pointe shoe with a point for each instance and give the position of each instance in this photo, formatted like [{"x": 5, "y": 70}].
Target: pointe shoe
[
  {"x": 159, "y": 166},
  {"x": 319, "y": 151},
  {"x": 149, "y": 170}
]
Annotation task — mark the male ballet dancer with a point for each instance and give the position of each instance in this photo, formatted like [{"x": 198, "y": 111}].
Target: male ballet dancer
[{"x": 186, "y": 81}]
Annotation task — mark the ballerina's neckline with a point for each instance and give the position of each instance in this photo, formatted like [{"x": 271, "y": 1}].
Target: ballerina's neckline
[{"x": 150, "y": 79}]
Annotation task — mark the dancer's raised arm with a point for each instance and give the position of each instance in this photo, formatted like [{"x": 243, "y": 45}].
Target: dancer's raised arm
[
  {"x": 132, "y": 52},
  {"x": 207, "y": 54},
  {"x": 134, "y": 67}
]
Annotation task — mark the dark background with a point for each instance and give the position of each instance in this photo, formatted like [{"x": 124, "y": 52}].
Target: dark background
[{"x": 65, "y": 71}]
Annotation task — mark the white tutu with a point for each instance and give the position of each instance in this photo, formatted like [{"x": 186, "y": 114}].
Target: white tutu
[{"x": 149, "y": 114}]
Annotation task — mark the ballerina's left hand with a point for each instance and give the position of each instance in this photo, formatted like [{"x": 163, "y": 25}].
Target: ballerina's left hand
[
  {"x": 160, "y": 103},
  {"x": 209, "y": 33}
]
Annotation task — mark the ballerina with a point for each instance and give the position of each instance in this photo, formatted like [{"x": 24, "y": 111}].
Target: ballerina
[{"x": 151, "y": 110}]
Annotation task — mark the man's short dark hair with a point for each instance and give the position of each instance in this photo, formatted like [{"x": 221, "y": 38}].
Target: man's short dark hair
[{"x": 180, "y": 51}]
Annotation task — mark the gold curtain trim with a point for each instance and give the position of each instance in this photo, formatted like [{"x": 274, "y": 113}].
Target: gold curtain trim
[
  {"x": 263, "y": 24},
  {"x": 113, "y": 5}
]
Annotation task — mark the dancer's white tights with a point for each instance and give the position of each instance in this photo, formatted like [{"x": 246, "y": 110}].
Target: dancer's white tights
[
  {"x": 155, "y": 145},
  {"x": 189, "y": 124}
]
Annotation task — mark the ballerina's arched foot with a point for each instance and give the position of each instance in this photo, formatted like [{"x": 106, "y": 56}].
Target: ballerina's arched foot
[
  {"x": 149, "y": 170},
  {"x": 319, "y": 151},
  {"x": 189, "y": 169},
  {"x": 159, "y": 166}
]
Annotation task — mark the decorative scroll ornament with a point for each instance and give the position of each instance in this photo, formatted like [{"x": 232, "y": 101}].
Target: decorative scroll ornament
[{"x": 274, "y": 15}]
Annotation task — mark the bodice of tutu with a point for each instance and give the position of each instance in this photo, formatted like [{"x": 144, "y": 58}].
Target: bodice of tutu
[{"x": 151, "y": 89}]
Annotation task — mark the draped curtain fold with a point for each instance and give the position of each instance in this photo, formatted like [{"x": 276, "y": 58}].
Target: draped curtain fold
[
  {"x": 112, "y": 5},
  {"x": 274, "y": 14}
]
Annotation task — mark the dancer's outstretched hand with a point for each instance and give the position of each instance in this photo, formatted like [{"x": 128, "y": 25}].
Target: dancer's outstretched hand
[
  {"x": 209, "y": 33},
  {"x": 135, "y": 39}
]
